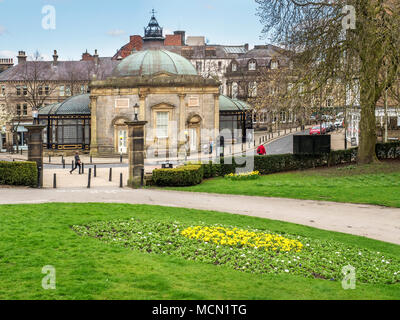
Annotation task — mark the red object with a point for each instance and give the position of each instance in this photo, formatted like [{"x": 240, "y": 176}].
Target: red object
[
  {"x": 261, "y": 150},
  {"x": 317, "y": 130}
]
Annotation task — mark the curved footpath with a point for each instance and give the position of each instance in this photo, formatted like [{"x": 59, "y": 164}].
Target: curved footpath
[{"x": 374, "y": 222}]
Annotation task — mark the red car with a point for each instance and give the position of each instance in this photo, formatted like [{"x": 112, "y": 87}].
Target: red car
[{"x": 317, "y": 130}]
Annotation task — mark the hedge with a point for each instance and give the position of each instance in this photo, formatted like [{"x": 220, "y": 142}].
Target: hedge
[
  {"x": 18, "y": 173},
  {"x": 179, "y": 177},
  {"x": 194, "y": 173},
  {"x": 290, "y": 162}
]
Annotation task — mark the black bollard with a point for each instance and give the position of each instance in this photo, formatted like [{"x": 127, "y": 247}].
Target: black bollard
[
  {"x": 49, "y": 159},
  {"x": 55, "y": 181},
  {"x": 40, "y": 173},
  {"x": 142, "y": 178},
  {"x": 83, "y": 168},
  {"x": 62, "y": 159},
  {"x": 110, "y": 175},
  {"x": 21, "y": 152},
  {"x": 120, "y": 158},
  {"x": 95, "y": 171},
  {"x": 63, "y": 163},
  {"x": 121, "y": 184},
  {"x": 91, "y": 159},
  {"x": 89, "y": 177},
  {"x": 72, "y": 165}
]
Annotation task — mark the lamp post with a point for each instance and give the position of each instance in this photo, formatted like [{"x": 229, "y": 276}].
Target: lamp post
[{"x": 136, "y": 110}]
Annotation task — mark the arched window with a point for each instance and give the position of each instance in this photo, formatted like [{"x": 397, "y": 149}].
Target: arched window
[
  {"x": 253, "y": 89},
  {"x": 235, "y": 90},
  {"x": 274, "y": 64},
  {"x": 252, "y": 65}
]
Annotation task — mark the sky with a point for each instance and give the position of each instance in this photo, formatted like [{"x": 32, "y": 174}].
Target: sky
[{"x": 27, "y": 25}]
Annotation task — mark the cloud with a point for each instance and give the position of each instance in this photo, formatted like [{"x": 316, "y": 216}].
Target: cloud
[
  {"x": 2, "y": 29},
  {"x": 116, "y": 33},
  {"x": 7, "y": 53}
]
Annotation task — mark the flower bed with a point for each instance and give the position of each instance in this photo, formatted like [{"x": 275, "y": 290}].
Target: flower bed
[
  {"x": 242, "y": 238},
  {"x": 243, "y": 176},
  {"x": 314, "y": 258}
]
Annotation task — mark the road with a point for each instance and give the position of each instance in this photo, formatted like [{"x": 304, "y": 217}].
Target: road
[{"x": 283, "y": 145}]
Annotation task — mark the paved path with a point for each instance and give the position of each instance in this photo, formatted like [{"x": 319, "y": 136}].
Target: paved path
[{"x": 363, "y": 220}]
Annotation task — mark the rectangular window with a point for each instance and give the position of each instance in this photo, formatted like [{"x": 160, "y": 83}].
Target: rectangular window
[
  {"x": 18, "y": 90},
  {"x": 25, "y": 109},
  {"x": 62, "y": 91},
  {"x": 68, "y": 90},
  {"x": 83, "y": 89},
  {"x": 25, "y": 91},
  {"x": 46, "y": 90},
  {"x": 162, "y": 124},
  {"x": 18, "y": 109},
  {"x": 40, "y": 91},
  {"x": 199, "y": 66},
  {"x": 219, "y": 65},
  {"x": 3, "y": 90}
]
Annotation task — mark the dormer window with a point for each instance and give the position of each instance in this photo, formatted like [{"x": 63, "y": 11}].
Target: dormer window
[
  {"x": 252, "y": 65},
  {"x": 234, "y": 67},
  {"x": 274, "y": 64}
]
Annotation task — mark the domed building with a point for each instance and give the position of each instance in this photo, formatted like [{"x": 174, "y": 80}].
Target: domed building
[
  {"x": 166, "y": 91},
  {"x": 183, "y": 110}
]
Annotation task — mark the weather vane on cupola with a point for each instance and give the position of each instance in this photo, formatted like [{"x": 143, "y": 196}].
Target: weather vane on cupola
[{"x": 153, "y": 30}]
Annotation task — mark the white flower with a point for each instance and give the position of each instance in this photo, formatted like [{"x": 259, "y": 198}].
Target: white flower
[{"x": 286, "y": 270}]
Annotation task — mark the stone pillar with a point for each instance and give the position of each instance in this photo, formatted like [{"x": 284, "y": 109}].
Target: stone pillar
[
  {"x": 136, "y": 152},
  {"x": 142, "y": 107},
  {"x": 35, "y": 148},
  {"x": 182, "y": 116},
  {"x": 216, "y": 116},
  {"x": 9, "y": 137},
  {"x": 93, "y": 123}
]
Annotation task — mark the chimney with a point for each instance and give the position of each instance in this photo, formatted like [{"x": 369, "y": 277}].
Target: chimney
[
  {"x": 246, "y": 46},
  {"x": 96, "y": 57},
  {"x": 21, "y": 56},
  {"x": 183, "y": 36},
  {"x": 55, "y": 58}
]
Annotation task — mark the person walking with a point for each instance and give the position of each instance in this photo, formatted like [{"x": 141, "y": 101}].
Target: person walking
[
  {"x": 77, "y": 163},
  {"x": 261, "y": 150}
]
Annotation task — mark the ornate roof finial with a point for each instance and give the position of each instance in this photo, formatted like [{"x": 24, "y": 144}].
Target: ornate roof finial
[{"x": 153, "y": 29}]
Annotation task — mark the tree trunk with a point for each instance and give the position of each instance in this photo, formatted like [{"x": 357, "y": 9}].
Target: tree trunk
[{"x": 366, "y": 151}]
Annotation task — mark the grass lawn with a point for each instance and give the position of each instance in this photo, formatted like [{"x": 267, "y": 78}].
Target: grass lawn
[
  {"x": 33, "y": 236},
  {"x": 377, "y": 184}
]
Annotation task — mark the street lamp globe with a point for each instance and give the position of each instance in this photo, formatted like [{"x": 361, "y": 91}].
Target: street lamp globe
[{"x": 136, "y": 110}]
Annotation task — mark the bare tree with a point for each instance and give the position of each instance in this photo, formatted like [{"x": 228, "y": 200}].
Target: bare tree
[
  {"x": 321, "y": 34},
  {"x": 10, "y": 118},
  {"x": 37, "y": 83}
]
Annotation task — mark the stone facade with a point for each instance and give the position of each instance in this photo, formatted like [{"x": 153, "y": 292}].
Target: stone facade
[{"x": 190, "y": 102}]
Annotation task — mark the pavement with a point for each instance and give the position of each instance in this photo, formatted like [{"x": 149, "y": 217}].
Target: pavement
[{"x": 374, "y": 222}]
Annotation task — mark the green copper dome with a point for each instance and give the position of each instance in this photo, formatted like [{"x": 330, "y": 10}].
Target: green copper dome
[
  {"x": 150, "y": 62},
  {"x": 76, "y": 105},
  {"x": 228, "y": 104}
]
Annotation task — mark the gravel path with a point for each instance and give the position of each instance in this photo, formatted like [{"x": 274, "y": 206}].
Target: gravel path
[{"x": 364, "y": 220}]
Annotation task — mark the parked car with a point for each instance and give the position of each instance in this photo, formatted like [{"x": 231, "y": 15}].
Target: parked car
[
  {"x": 316, "y": 130},
  {"x": 329, "y": 126},
  {"x": 339, "y": 123}
]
